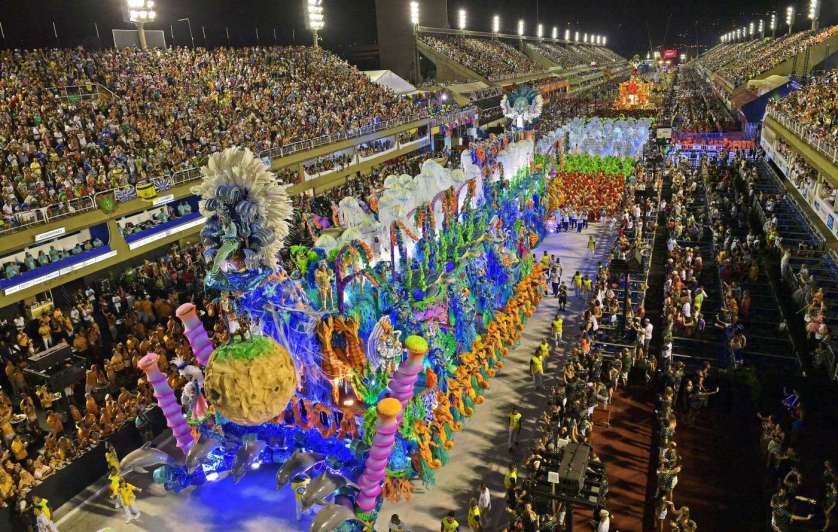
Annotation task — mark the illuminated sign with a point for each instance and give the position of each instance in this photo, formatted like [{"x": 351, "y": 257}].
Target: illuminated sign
[
  {"x": 50, "y": 234},
  {"x": 163, "y": 234},
  {"x": 58, "y": 273},
  {"x": 670, "y": 54}
]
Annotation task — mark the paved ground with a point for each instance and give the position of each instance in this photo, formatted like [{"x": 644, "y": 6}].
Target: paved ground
[{"x": 480, "y": 453}]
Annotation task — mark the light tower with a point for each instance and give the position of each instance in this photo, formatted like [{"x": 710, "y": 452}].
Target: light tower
[
  {"x": 316, "y": 21},
  {"x": 761, "y": 28},
  {"x": 555, "y": 33},
  {"x": 414, "y": 21},
  {"x": 140, "y": 12},
  {"x": 539, "y": 30},
  {"x": 814, "y": 13},
  {"x": 461, "y": 19},
  {"x": 790, "y": 18},
  {"x": 520, "y": 27},
  {"x": 772, "y": 24},
  {"x": 496, "y": 25},
  {"x": 567, "y": 35}
]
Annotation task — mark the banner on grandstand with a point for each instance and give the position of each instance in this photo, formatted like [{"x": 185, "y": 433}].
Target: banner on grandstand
[{"x": 664, "y": 133}]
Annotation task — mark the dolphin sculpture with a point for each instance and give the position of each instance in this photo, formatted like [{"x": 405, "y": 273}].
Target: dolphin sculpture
[
  {"x": 298, "y": 463},
  {"x": 323, "y": 486},
  {"x": 330, "y": 517},
  {"x": 139, "y": 460},
  {"x": 245, "y": 457},
  {"x": 200, "y": 450}
]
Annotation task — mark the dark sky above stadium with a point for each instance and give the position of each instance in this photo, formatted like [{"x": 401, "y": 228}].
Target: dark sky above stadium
[{"x": 632, "y": 26}]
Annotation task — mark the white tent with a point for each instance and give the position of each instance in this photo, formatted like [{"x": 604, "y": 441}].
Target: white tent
[{"x": 392, "y": 81}]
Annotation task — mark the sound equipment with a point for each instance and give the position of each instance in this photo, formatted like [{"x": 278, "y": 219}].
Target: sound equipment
[
  {"x": 573, "y": 467},
  {"x": 50, "y": 358}
]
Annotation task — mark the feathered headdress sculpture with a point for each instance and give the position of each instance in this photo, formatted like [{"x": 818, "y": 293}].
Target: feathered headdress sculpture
[
  {"x": 247, "y": 212},
  {"x": 523, "y": 105}
]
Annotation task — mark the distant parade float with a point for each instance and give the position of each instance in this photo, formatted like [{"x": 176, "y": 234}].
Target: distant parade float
[
  {"x": 355, "y": 369},
  {"x": 635, "y": 94}
]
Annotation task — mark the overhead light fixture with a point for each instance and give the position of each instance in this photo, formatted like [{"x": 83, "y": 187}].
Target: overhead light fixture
[{"x": 414, "y": 13}]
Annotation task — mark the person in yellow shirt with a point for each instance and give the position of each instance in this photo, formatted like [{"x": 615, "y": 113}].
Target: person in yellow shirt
[
  {"x": 514, "y": 426},
  {"x": 473, "y": 518},
  {"x": 537, "y": 370},
  {"x": 577, "y": 284},
  {"x": 543, "y": 352},
  {"x": 511, "y": 477},
  {"x": 127, "y": 498},
  {"x": 558, "y": 329},
  {"x": 449, "y": 523},
  {"x": 43, "y": 515},
  {"x": 587, "y": 285},
  {"x": 111, "y": 458},
  {"x": 113, "y": 480}
]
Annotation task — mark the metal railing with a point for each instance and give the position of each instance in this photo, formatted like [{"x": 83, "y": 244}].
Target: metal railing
[{"x": 806, "y": 134}]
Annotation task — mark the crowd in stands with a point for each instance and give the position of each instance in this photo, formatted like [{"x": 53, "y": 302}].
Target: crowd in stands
[
  {"x": 696, "y": 108},
  {"x": 493, "y": 59},
  {"x": 142, "y": 114},
  {"x": 724, "y": 54},
  {"x": 329, "y": 163},
  {"x": 12, "y": 268},
  {"x": 110, "y": 326},
  {"x": 164, "y": 215},
  {"x": 737, "y": 63},
  {"x": 815, "y": 106},
  {"x": 561, "y": 55}
]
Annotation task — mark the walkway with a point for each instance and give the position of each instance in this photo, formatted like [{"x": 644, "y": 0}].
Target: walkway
[{"x": 480, "y": 453}]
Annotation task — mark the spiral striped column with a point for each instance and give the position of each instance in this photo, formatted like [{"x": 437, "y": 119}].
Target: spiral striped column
[
  {"x": 167, "y": 402},
  {"x": 389, "y": 412},
  {"x": 195, "y": 332}
]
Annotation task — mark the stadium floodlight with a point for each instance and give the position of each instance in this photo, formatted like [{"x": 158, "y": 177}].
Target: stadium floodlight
[
  {"x": 461, "y": 19},
  {"x": 576, "y": 37},
  {"x": 761, "y": 28},
  {"x": 585, "y": 39},
  {"x": 496, "y": 24},
  {"x": 540, "y": 30},
  {"x": 315, "y": 18},
  {"x": 814, "y": 13},
  {"x": 521, "y": 27},
  {"x": 555, "y": 33},
  {"x": 567, "y": 34},
  {"x": 657, "y": 54},
  {"x": 648, "y": 55},
  {"x": 790, "y": 18},
  {"x": 140, "y": 12},
  {"x": 414, "y": 13},
  {"x": 750, "y": 29},
  {"x": 772, "y": 24},
  {"x": 605, "y": 40},
  {"x": 683, "y": 57}
]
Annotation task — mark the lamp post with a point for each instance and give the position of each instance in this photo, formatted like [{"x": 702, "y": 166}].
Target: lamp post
[
  {"x": 315, "y": 18},
  {"x": 790, "y": 18},
  {"x": 189, "y": 25},
  {"x": 814, "y": 13},
  {"x": 140, "y": 12},
  {"x": 414, "y": 22}
]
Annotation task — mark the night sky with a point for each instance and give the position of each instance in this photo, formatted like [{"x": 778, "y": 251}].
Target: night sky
[{"x": 632, "y": 26}]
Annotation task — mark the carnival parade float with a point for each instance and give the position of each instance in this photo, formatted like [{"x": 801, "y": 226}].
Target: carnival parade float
[{"x": 356, "y": 363}]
